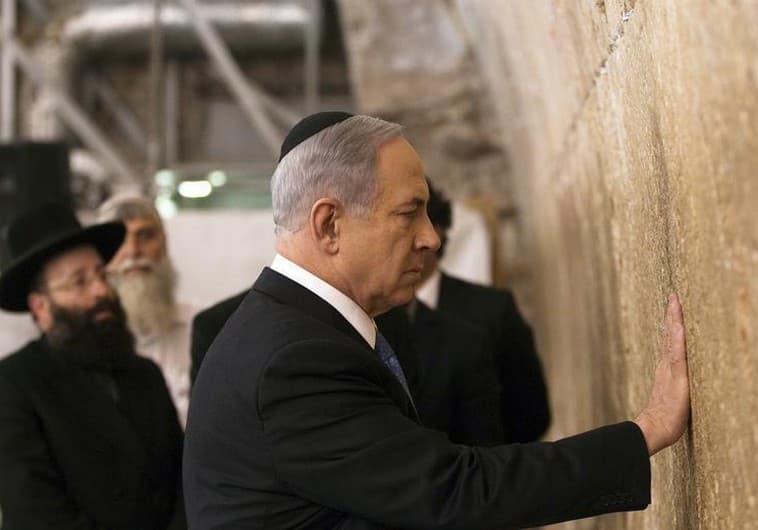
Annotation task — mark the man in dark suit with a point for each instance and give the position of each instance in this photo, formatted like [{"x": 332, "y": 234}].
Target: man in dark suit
[
  {"x": 470, "y": 360},
  {"x": 526, "y": 411},
  {"x": 205, "y": 327},
  {"x": 301, "y": 415},
  {"x": 450, "y": 370},
  {"x": 89, "y": 437},
  {"x": 448, "y": 363}
]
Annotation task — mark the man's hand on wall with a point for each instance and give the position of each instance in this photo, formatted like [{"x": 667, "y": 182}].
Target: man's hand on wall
[{"x": 665, "y": 417}]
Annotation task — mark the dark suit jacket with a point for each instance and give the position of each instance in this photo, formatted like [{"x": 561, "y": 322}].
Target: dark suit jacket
[
  {"x": 526, "y": 410},
  {"x": 451, "y": 373},
  {"x": 72, "y": 458},
  {"x": 205, "y": 327},
  {"x": 296, "y": 423}
]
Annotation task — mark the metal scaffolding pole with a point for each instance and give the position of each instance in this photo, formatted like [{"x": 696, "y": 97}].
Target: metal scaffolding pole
[
  {"x": 251, "y": 99},
  {"x": 171, "y": 114},
  {"x": 311, "y": 63},
  {"x": 155, "y": 143},
  {"x": 125, "y": 118},
  {"x": 8, "y": 73},
  {"x": 71, "y": 113}
]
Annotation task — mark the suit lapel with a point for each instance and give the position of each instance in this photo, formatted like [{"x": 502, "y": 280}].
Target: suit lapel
[
  {"x": 293, "y": 294},
  {"x": 90, "y": 409}
]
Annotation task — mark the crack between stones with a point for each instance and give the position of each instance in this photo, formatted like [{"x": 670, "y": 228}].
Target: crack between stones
[{"x": 598, "y": 72}]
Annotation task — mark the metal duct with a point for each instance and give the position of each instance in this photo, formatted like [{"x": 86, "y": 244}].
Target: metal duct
[{"x": 245, "y": 27}]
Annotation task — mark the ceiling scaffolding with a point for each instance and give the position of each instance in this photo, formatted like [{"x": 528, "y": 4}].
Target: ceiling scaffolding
[{"x": 163, "y": 32}]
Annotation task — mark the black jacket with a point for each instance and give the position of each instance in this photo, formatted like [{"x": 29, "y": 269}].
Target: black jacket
[
  {"x": 450, "y": 370},
  {"x": 451, "y": 373},
  {"x": 205, "y": 327},
  {"x": 296, "y": 423},
  {"x": 71, "y": 457},
  {"x": 526, "y": 410}
]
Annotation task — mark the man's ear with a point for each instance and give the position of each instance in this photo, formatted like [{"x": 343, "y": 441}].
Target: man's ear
[
  {"x": 324, "y": 223},
  {"x": 39, "y": 306}
]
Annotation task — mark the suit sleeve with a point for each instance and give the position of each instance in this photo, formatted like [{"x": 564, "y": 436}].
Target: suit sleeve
[
  {"x": 339, "y": 440},
  {"x": 32, "y": 491}
]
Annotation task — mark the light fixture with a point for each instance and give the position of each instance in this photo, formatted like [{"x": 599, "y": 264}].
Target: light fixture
[{"x": 195, "y": 189}]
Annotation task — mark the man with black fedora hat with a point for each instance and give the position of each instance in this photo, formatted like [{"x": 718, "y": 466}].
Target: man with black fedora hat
[
  {"x": 89, "y": 437},
  {"x": 301, "y": 416}
]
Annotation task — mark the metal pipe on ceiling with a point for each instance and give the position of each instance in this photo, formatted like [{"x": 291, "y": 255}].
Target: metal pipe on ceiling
[{"x": 8, "y": 73}]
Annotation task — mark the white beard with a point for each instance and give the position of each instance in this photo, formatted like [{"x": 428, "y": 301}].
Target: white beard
[{"x": 147, "y": 296}]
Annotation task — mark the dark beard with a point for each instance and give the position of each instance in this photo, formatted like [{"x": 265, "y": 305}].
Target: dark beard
[{"x": 104, "y": 345}]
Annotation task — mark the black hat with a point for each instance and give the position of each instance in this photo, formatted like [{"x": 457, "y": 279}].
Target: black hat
[
  {"x": 309, "y": 126},
  {"x": 35, "y": 236}
]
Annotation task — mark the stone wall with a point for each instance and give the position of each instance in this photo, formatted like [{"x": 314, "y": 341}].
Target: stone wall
[
  {"x": 632, "y": 128},
  {"x": 629, "y": 128}
]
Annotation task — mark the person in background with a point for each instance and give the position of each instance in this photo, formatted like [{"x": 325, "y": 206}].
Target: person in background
[
  {"x": 467, "y": 361},
  {"x": 206, "y": 326},
  {"x": 89, "y": 437},
  {"x": 451, "y": 373},
  {"x": 525, "y": 406},
  {"x": 145, "y": 278},
  {"x": 301, "y": 416}
]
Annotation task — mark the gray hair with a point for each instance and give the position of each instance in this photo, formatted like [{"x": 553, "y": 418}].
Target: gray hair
[
  {"x": 339, "y": 162},
  {"x": 121, "y": 207}
]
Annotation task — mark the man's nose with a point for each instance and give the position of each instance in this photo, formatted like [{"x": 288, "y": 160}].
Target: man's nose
[
  {"x": 428, "y": 238},
  {"x": 129, "y": 249}
]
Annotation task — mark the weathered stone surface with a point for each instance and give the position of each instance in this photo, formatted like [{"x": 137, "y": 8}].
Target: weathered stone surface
[{"x": 632, "y": 132}]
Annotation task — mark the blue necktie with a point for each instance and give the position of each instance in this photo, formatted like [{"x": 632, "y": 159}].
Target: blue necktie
[{"x": 387, "y": 355}]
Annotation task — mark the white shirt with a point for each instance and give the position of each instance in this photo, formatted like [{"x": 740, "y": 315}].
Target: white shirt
[
  {"x": 345, "y": 305},
  {"x": 429, "y": 291},
  {"x": 171, "y": 352}
]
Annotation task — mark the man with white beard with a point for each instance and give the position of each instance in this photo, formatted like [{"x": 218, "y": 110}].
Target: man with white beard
[{"x": 142, "y": 273}]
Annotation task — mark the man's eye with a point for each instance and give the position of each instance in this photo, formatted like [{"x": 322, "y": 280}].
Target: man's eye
[{"x": 147, "y": 234}]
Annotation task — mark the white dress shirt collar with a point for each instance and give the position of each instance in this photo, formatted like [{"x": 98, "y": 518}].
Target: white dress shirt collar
[
  {"x": 345, "y": 305},
  {"x": 429, "y": 291}
]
